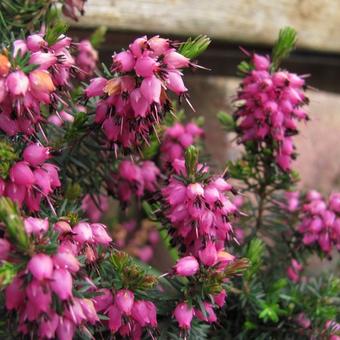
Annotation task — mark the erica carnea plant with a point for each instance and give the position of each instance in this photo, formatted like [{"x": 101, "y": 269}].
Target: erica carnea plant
[{"x": 78, "y": 140}]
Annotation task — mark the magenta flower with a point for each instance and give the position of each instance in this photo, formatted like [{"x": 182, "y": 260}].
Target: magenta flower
[
  {"x": 186, "y": 266},
  {"x": 124, "y": 300},
  {"x": 41, "y": 266},
  {"x": 61, "y": 283},
  {"x": 183, "y": 313}
]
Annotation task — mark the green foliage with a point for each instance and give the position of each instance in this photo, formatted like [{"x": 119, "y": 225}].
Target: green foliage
[
  {"x": 7, "y": 157},
  {"x": 98, "y": 36},
  {"x": 10, "y": 216},
  {"x": 191, "y": 161},
  {"x": 254, "y": 253},
  {"x": 7, "y": 273},
  {"x": 192, "y": 48},
  {"x": 227, "y": 121},
  {"x": 54, "y": 31},
  {"x": 283, "y": 46}
]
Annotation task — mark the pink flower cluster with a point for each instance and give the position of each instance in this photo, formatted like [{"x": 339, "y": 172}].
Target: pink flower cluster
[
  {"x": 95, "y": 207},
  {"x": 134, "y": 179},
  {"x": 199, "y": 214},
  {"x": 86, "y": 59},
  {"x": 176, "y": 139},
  {"x": 30, "y": 293},
  {"x": 294, "y": 271},
  {"x": 184, "y": 313},
  {"x": 135, "y": 100},
  {"x": 127, "y": 316},
  {"x": 320, "y": 221},
  {"x": 271, "y": 104},
  {"x": 31, "y": 179},
  {"x": 22, "y": 91}
]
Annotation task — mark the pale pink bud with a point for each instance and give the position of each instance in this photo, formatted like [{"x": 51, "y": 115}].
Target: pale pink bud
[
  {"x": 261, "y": 63},
  {"x": 124, "y": 299},
  {"x": 67, "y": 117},
  {"x": 21, "y": 173},
  {"x": 36, "y": 154},
  {"x": 208, "y": 256},
  {"x": 17, "y": 83},
  {"x": 55, "y": 120},
  {"x": 186, "y": 266},
  {"x": 175, "y": 83},
  {"x": 138, "y": 45},
  {"x": 159, "y": 45},
  {"x": 5, "y": 247},
  {"x": 176, "y": 60},
  {"x": 61, "y": 283},
  {"x": 19, "y": 47},
  {"x": 123, "y": 61},
  {"x": 66, "y": 260},
  {"x": 83, "y": 232},
  {"x": 35, "y": 42},
  {"x": 115, "y": 318},
  {"x": 44, "y": 60},
  {"x": 96, "y": 87},
  {"x": 151, "y": 89},
  {"x": 52, "y": 171},
  {"x": 35, "y": 226},
  {"x": 184, "y": 314},
  {"x": 66, "y": 329},
  {"x": 100, "y": 234},
  {"x": 62, "y": 227},
  {"x": 41, "y": 266}
]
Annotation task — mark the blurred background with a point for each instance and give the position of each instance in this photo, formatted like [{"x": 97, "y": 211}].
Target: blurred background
[{"x": 254, "y": 25}]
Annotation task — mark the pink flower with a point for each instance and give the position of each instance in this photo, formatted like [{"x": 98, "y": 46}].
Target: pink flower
[
  {"x": 186, "y": 266},
  {"x": 96, "y": 87},
  {"x": 36, "y": 154},
  {"x": 39, "y": 297},
  {"x": 208, "y": 256},
  {"x": 35, "y": 42},
  {"x": 5, "y": 247},
  {"x": 175, "y": 82},
  {"x": 302, "y": 320},
  {"x": 17, "y": 83},
  {"x": 14, "y": 294},
  {"x": 61, "y": 283},
  {"x": 66, "y": 260},
  {"x": 22, "y": 174},
  {"x": 115, "y": 318},
  {"x": 48, "y": 327},
  {"x": 89, "y": 310},
  {"x": 65, "y": 329},
  {"x": 123, "y": 61},
  {"x": 36, "y": 226},
  {"x": 83, "y": 232},
  {"x": 151, "y": 89},
  {"x": 124, "y": 300},
  {"x": 183, "y": 313},
  {"x": 219, "y": 298},
  {"x": 140, "y": 313},
  {"x": 41, "y": 266},
  {"x": 145, "y": 66},
  {"x": 103, "y": 301},
  {"x": 210, "y": 316},
  {"x": 100, "y": 235}
]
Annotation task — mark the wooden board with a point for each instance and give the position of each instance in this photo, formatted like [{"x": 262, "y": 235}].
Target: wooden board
[{"x": 254, "y": 21}]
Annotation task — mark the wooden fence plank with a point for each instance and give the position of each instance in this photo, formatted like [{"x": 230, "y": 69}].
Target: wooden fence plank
[{"x": 255, "y": 21}]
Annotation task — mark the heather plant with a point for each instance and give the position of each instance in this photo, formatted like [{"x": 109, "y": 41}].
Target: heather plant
[{"x": 79, "y": 141}]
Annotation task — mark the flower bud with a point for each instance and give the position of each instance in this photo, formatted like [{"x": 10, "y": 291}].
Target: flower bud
[
  {"x": 41, "y": 266},
  {"x": 186, "y": 266},
  {"x": 61, "y": 283},
  {"x": 35, "y": 226},
  {"x": 17, "y": 83},
  {"x": 183, "y": 313},
  {"x": 83, "y": 232},
  {"x": 36, "y": 154},
  {"x": 124, "y": 301},
  {"x": 22, "y": 174},
  {"x": 208, "y": 256}
]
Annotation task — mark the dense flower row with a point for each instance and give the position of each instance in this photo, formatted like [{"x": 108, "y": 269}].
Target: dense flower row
[
  {"x": 31, "y": 179},
  {"x": 134, "y": 102},
  {"x": 319, "y": 219},
  {"x": 271, "y": 103}
]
